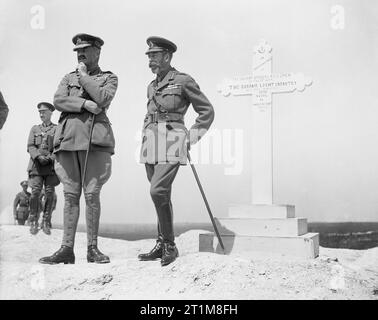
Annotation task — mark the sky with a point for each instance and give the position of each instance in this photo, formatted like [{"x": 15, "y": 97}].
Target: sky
[{"x": 325, "y": 159}]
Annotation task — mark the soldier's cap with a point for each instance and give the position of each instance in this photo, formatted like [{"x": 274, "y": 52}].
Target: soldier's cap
[
  {"x": 23, "y": 183},
  {"x": 45, "y": 106},
  {"x": 158, "y": 44},
  {"x": 83, "y": 40}
]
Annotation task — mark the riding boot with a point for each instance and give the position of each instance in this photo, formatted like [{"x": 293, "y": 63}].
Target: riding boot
[
  {"x": 33, "y": 227},
  {"x": 45, "y": 227},
  {"x": 155, "y": 253},
  {"x": 95, "y": 255},
  {"x": 170, "y": 253},
  {"x": 64, "y": 255}
]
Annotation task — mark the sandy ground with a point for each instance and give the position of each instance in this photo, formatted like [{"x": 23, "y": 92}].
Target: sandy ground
[{"x": 335, "y": 274}]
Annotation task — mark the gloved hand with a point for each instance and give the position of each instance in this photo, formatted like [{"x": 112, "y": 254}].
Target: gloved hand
[{"x": 43, "y": 160}]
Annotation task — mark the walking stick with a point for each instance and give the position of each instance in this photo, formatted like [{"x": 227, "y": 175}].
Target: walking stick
[
  {"x": 206, "y": 203},
  {"x": 87, "y": 153}
]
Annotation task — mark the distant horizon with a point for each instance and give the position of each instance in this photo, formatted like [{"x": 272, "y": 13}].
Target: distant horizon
[
  {"x": 347, "y": 235},
  {"x": 199, "y": 222}
]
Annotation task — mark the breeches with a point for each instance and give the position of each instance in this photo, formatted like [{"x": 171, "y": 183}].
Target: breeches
[
  {"x": 69, "y": 166},
  {"x": 161, "y": 177}
]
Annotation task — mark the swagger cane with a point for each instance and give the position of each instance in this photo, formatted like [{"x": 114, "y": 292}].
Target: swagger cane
[
  {"x": 206, "y": 203},
  {"x": 87, "y": 153}
]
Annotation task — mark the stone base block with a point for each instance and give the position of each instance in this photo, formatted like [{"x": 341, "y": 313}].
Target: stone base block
[
  {"x": 262, "y": 211},
  {"x": 262, "y": 227},
  {"x": 305, "y": 246}
]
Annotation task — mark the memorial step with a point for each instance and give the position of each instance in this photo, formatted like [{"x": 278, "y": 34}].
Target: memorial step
[
  {"x": 305, "y": 246},
  {"x": 262, "y": 227},
  {"x": 261, "y": 211}
]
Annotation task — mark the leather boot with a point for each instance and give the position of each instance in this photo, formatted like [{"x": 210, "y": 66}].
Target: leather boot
[
  {"x": 95, "y": 255},
  {"x": 64, "y": 255},
  {"x": 33, "y": 227},
  {"x": 155, "y": 253},
  {"x": 48, "y": 222},
  {"x": 170, "y": 253},
  {"x": 45, "y": 227}
]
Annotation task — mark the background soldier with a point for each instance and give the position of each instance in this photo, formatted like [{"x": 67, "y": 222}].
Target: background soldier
[
  {"x": 166, "y": 139},
  {"x": 3, "y": 111},
  {"x": 83, "y": 93},
  {"x": 21, "y": 204},
  {"x": 41, "y": 166}
]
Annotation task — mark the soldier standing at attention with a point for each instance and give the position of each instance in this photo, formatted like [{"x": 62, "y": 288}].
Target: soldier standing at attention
[
  {"x": 21, "y": 204},
  {"x": 83, "y": 98},
  {"x": 41, "y": 166},
  {"x": 3, "y": 111},
  {"x": 166, "y": 139}
]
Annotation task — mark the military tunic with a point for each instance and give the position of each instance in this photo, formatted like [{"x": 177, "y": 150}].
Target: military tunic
[
  {"x": 72, "y": 133},
  {"x": 71, "y": 142},
  {"x": 164, "y": 132},
  {"x": 164, "y": 138},
  {"x": 40, "y": 142}
]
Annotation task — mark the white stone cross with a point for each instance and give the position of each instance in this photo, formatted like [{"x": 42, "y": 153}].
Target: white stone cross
[{"x": 261, "y": 85}]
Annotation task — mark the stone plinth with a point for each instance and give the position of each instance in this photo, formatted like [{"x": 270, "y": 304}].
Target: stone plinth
[{"x": 305, "y": 246}]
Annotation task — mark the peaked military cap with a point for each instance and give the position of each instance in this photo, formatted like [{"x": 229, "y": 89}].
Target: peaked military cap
[
  {"x": 23, "y": 183},
  {"x": 45, "y": 106},
  {"x": 157, "y": 44},
  {"x": 83, "y": 40}
]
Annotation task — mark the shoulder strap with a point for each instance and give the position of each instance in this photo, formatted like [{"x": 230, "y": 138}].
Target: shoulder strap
[{"x": 158, "y": 105}]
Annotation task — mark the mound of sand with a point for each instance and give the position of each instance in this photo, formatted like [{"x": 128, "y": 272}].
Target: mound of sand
[{"x": 335, "y": 274}]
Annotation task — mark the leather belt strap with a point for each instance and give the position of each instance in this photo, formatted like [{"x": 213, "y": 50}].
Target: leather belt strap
[{"x": 163, "y": 117}]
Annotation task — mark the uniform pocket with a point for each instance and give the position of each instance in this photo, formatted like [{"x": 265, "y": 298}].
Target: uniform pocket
[
  {"x": 37, "y": 139},
  {"x": 74, "y": 89},
  {"x": 59, "y": 133},
  {"x": 176, "y": 142},
  {"x": 103, "y": 135},
  {"x": 172, "y": 97},
  {"x": 148, "y": 150}
]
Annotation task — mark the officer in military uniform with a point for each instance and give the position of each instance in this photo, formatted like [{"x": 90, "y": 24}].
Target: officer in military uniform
[
  {"x": 21, "y": 204},
  {"x": 166, "y": 139},
  {"x": 41, "y": 166},
  {"x": 3, "y": 111},
  {"x": 83, "y": 98}
]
